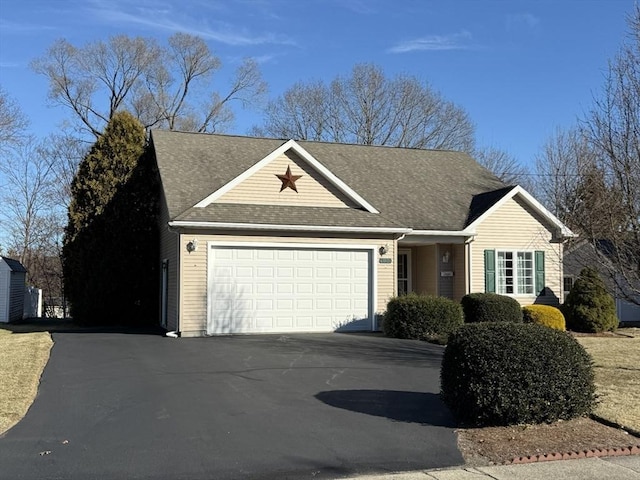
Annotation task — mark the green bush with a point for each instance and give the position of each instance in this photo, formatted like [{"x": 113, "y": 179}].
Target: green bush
[
  {"x": 422, "y": 317},
  {"x": 589, "y": 307},
  {"x": 506, "y": 374},
  {"x": 544, "y": 315},
  {"x": 490, "y": 307}
]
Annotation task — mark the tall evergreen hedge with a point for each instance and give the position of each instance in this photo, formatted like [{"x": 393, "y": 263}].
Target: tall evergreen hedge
[{"x": 110, "y": 250}]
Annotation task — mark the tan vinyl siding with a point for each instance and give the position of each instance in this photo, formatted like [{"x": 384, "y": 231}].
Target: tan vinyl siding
[
  {"x": 169, "y": 251},
  {"x": 515, "y": 226},
  {"x": 263, "y": 187},
  {"x": 425, "y": 270},
  {"x": 194, "y": 272}
]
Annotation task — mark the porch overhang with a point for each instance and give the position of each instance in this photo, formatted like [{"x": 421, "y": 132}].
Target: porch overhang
[{"x": 432, "y": 237}]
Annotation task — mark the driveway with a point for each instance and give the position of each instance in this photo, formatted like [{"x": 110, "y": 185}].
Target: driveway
[{"x": 114, "y": 406}]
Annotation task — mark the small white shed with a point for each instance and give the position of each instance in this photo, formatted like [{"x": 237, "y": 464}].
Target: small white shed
[{"x": 12, "y": 284}]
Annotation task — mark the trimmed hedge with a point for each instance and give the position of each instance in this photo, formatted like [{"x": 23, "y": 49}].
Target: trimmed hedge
[
  {"x": 589, "y": 307},
  {"x": 544, "y": 315},
  {"x": 490, "y": 307},
  {"x": 507, "y": 374},
  {"x": 422, "y": 317}
]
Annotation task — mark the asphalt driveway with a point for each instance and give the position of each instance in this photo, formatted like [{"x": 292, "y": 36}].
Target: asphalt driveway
[{"x": 114, "y": 406}]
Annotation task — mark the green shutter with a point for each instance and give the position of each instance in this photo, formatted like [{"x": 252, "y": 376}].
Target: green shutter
[
  {"x": 490, "y": 271},
  {"x": 540, "y": 272}
]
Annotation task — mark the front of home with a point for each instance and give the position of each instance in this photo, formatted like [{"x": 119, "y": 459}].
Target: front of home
[{"x": 273, "y": 236}]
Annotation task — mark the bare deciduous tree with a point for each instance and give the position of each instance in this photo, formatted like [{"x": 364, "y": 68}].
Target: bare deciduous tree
[
  {"x": 591, "y": 175},
  {"x": 31, "y": 216},
  {"x": 371, "y": 109},
  {"x": 565, "y": 158},
  {"x": 170, "y": 87},
  {"x": 504, "y": 166},
  {"x": 12, "y": 122},
  {"x": 613, "y": 129}
]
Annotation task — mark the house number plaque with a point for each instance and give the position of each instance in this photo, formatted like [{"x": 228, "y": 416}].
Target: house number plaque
[{"x": 385, "y": 260}]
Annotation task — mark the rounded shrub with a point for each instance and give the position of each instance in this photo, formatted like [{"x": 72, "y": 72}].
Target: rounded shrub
[
  {"x": 490, "y": 307},
  {"x": 506, "y": 374},
  {"x": 589, "y": 307},
  {"x": 422, "y": 317},
  {"x": 544, "y": 315}
]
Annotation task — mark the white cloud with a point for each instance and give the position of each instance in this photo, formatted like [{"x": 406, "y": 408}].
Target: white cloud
[
  {"x": 453, "y": 41},
  {"x": 166, "y": 19},
  {"x": 516, "y": 21}
]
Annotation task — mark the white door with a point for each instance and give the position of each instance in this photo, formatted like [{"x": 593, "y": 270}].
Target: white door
[{"x": 274, "y": 290}]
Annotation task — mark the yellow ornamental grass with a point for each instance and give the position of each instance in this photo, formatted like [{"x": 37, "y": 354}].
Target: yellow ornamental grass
[{"x": 544, "y": 315}]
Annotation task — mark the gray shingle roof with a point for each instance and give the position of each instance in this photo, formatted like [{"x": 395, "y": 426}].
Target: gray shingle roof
[
  {"x": 14, "y": 265},
  {"x": 419, "y": 189},
  {"x": 279, "y": 214}
]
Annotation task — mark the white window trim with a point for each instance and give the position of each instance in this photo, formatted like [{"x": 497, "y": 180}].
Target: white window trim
[{"x": 515, "y": 269}]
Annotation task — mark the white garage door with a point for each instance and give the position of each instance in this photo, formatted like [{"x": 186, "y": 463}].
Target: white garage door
[{"x": 273, "y": 290}]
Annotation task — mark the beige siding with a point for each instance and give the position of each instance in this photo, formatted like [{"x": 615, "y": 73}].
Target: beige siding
[
  {"x": 169, "y": 251},
  {"x": 193, "y": 295},
  {"x": 514, "y": 226},
  {"x": 263, "y": 187},
  {"x": 425, "y": 270}
]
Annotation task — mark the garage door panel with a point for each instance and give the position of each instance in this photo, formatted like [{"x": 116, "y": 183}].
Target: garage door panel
[
  {"x": 285, "y": 254},
  {"x": 265, "y": 272},
  {"x": 304, "y": 288},
  {"x": 264, "y": 322},
  {"x": 284, "y": 322},
  {"x": 264, "y": 254},
  {"x": 264, "y": 288},
  {"x": 304, "y": 304},
  {"x": 288, "y": 289}
]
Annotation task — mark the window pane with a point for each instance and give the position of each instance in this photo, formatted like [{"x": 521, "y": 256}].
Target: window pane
[
  {"x": 505, "y": 272},
  {"x": 403, "y": 274},
  {"x": 525, "y": 273}
]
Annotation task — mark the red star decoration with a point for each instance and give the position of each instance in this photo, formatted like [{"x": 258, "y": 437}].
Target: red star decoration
[{"x": 288, "y": 180}]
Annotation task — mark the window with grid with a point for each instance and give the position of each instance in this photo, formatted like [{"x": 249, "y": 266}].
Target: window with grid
[{"x": 515, "y": 273}]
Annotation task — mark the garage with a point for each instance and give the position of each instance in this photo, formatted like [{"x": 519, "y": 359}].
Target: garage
[{"x": 283, "y": 288}]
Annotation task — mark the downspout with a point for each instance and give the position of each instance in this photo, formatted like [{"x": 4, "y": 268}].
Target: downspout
[
  {"x": 395, "y": 269},
  {"x": 176, "y": 333}
]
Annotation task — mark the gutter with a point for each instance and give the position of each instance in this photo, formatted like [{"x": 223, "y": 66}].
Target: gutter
[{"x": 301, "y": 228}]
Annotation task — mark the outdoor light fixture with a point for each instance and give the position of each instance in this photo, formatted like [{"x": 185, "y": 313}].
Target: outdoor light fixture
[
  {"x": 192, "y": 246},
  {"x": 445, "y": 257},
  {"x": 383, "y": 249}
]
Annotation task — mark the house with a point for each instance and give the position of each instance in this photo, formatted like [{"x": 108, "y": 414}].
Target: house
[
  {"x": 12, "y": 290},
  {"x": 264, "y": 235},
  {"x": 582, "y": 253}
]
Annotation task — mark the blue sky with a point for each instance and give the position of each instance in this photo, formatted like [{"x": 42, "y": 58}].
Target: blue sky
[{"x": 520, "y": 68}]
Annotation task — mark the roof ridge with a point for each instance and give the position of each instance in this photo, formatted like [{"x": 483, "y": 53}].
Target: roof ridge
[{"x": 300, "y": 141}]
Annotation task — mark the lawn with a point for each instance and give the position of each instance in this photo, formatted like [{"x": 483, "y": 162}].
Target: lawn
[
  {"x": 23, "y": 357},
  {"x": 617, "y": 368}
]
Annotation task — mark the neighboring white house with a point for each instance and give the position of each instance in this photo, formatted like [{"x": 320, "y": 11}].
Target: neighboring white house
[{"x": 12, "y": 287}]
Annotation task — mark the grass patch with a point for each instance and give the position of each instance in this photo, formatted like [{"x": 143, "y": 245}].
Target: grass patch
[
  {"x": 23, "y": 357},
  {"x": 617, "y": 375}
]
